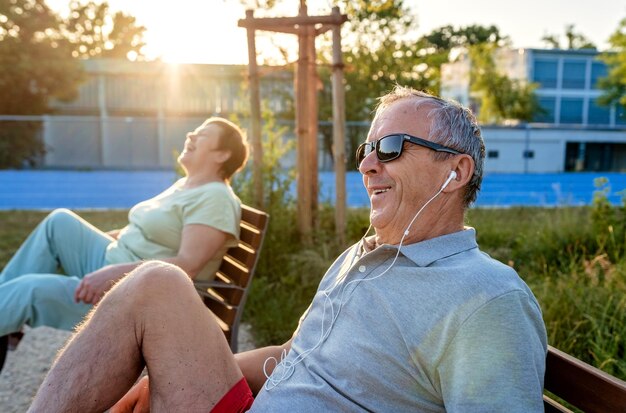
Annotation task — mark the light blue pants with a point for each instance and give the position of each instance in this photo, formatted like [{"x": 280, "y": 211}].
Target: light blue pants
[{"x": 31, "y": 289}]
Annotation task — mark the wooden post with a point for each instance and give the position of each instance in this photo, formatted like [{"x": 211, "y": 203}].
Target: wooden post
[
  {"x": 306, "y": 28},
  {"x": 302, "y": 132},
  {"x": 255, "y": 117},
  {"x": 313, "y": 125},
  {"x": 339, "y": 127}
]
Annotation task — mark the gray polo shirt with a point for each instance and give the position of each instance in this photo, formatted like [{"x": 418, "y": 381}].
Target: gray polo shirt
[{"x": 445, "y": 328}]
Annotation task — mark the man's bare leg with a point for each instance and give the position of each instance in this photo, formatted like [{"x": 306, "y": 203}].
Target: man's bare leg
[{"x": 154, "y": 316}]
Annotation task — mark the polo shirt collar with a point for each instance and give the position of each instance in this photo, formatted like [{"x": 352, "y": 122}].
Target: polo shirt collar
[{"x": 426, "y": 252}]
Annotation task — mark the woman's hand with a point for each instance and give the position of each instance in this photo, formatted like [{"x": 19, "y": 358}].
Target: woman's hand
[
  {"x": 93, "y": 286},
  {"x": 137, "y": 400}
]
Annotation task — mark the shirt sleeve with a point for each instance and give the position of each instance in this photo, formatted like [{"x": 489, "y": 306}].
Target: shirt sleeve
[
  {"x": 496, "y": 361},
  {"x": 216, "y": 208}
]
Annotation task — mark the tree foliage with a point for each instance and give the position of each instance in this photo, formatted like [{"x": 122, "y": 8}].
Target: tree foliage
[
  {"x": 435, "y": 47},
  {"x": 614, "y": 84},
  {"x": 573, "y": 40},
  {"x": 94, "y": 32},
  {"x": 39, "y": 53},
  {"x": 501, "y": 98},
  {"x": 38, "y": 50},
  {"x": 35, "y": 59},
  {"x": 380, "y": 51}
]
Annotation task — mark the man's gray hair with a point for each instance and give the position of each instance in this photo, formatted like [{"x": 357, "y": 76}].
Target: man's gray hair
[{"x": 453, "y": 125}]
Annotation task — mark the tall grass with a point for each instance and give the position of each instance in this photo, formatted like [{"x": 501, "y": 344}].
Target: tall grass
[
  {"x": 572, "y": 258},
  {"x": 577, "y": 276}
]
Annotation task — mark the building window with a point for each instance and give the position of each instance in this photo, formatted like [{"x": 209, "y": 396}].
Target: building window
[
  {"x": 571, "y": 110},
  {"x": 598, "y": 71},
  {"x": 574, "y": 74},
  {"x": 620, "y": 114},
  {"x": 598, "y": 115},
  {"x": 548, "y": 106},
  {"x": 545, "y": 73},
  {"x": 493, "y": 154},
  {"x": 528, "y": 154}
]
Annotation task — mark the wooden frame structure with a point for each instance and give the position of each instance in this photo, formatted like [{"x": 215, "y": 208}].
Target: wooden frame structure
[{"x": 307, "y": 28}]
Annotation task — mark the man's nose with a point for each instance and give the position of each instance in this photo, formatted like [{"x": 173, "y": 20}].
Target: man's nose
[{"x": 370, "y": 164}]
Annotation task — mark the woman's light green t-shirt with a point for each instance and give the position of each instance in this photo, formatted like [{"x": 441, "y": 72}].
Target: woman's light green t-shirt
[{"x": 155, "y": 226}]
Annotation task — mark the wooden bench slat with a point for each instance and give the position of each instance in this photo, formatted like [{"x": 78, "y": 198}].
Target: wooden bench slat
[
  {"x": 254, "y": 217},
  {"x": 244, "y": 255},
  {"x": 248, "y": 234},
  {"x": 226, "y": 295},
  {"x": 582, "y": 385},
  {"x": 234, "y": 271}
]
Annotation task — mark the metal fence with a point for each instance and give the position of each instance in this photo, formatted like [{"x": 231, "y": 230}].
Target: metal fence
[{"x": 94, "y": 142}]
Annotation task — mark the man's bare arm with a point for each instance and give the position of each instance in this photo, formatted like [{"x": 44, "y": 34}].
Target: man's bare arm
[{"x": 251, "y": 363}]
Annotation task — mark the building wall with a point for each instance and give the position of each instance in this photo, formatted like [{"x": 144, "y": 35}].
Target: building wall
[
  {"x": 567, "y": 84},
  {"x": 574, "y": 133},
  {"x": 543, "y": 149},
  {"x": 136, "y": 114},
  {"x": 114, "y": 142},
  {"x": 116, "y": 87},
  {"x": 568, "y": 88}
]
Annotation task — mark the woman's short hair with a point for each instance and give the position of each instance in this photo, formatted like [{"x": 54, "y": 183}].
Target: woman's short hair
[{"x": 232, "y": 139}]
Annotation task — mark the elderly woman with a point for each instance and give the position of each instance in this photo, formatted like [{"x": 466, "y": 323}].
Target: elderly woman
[{"x": 191, "y": 224}]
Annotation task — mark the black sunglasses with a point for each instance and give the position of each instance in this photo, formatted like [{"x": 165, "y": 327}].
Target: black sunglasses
[{"x": 390, "y": 147}]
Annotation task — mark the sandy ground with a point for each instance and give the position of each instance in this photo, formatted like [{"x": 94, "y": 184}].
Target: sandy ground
[{"x": 26, "y": 366}]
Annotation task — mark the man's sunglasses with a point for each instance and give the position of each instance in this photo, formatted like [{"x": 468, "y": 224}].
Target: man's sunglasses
[{"x": 390, "y": 147}]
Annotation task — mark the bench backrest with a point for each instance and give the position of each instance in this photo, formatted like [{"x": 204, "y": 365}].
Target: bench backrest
[
  {"x": 581, "y": 385},
  {"x": 226, "y": 295}
]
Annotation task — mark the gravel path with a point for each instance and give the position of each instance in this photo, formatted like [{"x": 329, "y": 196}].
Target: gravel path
[{"x": 26, "y": 366}]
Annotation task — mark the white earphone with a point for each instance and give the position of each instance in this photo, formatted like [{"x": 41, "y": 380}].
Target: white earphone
[
  {"x": 285, "y": 368},
  {"x": 450, "y": 178}
]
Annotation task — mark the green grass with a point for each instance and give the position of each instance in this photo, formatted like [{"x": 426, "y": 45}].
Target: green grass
[
  {"x": 16, "y": 225},
  {"x": 573, "y": 262}
]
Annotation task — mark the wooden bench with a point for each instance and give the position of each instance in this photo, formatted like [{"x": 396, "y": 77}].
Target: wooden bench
[
  {"x": 581, "y": 385},
  {"x": 226, "y": 295}
]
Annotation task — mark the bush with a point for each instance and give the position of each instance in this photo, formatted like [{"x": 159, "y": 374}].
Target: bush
[{"x": 20, "y": 144}]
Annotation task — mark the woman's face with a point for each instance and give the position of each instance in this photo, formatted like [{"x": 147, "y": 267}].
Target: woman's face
[{"x": 202, "y": 148}]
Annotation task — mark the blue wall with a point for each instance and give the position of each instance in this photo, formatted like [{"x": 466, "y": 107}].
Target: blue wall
[{"x": 47, "y": 189}]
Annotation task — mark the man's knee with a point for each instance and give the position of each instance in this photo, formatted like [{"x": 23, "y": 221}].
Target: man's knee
[{"x": 154, "y": 280}]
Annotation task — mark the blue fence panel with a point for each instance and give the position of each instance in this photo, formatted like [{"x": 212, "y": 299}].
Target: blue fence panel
[{"x": 48, "y": 189}]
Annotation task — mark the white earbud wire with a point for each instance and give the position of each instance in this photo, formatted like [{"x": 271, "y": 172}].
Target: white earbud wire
[{"x": 288, "y": 367}]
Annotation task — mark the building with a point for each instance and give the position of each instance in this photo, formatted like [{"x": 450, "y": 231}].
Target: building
[
  {"x": 136, "y": 114},
  {"x": 574, "y": 133}
]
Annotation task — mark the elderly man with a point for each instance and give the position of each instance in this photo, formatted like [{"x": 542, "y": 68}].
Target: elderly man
[{"x": 413, "y": 318}]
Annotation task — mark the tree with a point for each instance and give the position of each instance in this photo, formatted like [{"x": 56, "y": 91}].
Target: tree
[
  {"x": 35, "y": 59},
  {"x": 501, "y": 98},
  {"x": 375, "y": 66},
  {"x": 94, "y": 32},
  {"x": 379, "y": 51},
  {"x": 574, "y": 40},
  {"x": 436, "y": 46},
  {"x": 38, "y": 62},
  {"x": 614, "y": 84}
]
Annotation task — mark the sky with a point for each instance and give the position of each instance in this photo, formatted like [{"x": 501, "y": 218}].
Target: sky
[{"x": 205, "y": 31}]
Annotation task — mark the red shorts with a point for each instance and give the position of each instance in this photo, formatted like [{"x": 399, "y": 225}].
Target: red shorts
[{"x": 238, "y": 399}]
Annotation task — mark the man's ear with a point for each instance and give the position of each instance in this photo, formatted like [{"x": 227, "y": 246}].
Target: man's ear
[{"x": 463, "y": 166}]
